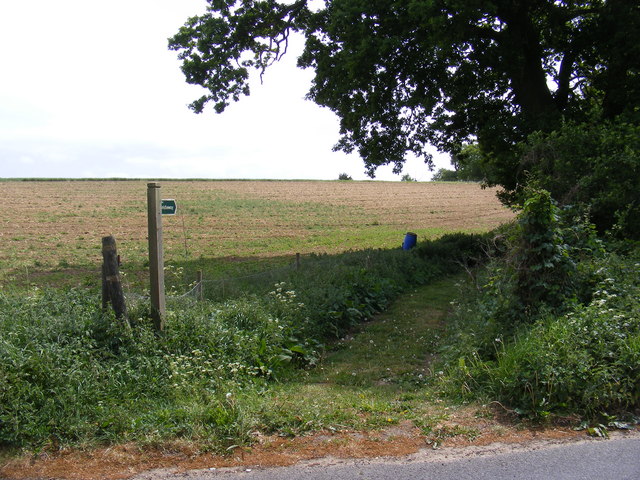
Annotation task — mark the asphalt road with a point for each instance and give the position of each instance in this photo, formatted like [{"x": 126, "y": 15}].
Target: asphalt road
[{"x": 617, "y": 458}]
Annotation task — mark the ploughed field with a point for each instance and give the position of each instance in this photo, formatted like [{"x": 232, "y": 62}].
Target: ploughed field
[{"x": 51, "y": 231}]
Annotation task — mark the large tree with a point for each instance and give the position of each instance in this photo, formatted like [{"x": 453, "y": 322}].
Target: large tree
[{"x": 402, "y": 74}]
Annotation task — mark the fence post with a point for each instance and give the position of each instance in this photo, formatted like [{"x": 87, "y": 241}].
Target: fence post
[
  {"x": 105, "y": 289},
  {"x": 111, "y": 286},
  {"x": 156, "y": 256},
  {"x": 297, "y": 261},
  {"x": 200, "y": 285}
]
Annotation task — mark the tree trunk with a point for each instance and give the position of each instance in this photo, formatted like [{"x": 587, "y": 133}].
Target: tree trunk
[{"x": 524, "y": 66}]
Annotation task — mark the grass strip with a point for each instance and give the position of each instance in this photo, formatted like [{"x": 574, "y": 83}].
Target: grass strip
[{"x": 377, "y": 375}]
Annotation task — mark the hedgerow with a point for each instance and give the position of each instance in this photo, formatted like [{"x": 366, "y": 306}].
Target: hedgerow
[{"x": 552, "y": 328}]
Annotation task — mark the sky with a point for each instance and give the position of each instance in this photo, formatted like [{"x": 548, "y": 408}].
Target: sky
[{"x": 89, "y": 89}]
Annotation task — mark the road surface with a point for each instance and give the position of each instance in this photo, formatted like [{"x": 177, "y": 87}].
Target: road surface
[{"x": 616, "y": 458}]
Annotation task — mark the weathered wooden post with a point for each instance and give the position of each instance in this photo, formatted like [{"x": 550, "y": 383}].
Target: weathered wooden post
[
  {"x": 105, "y": 289},
  {"x": 111, "y": 286},
  {"x": 200, "y": 285},
  {"x": 156, "y": 256}
]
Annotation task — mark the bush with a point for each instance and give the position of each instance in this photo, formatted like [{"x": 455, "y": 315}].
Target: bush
[
  {"x": 555, "y": 324},
  {"x": 452, "y": 249},
  {"x": 596, "y": 166},
  {"x": 344, "y": 176},
  {"x": 445, "y": 175},
  {"x": 585, "y": 360},
  {"x": 544, "y": 261}
]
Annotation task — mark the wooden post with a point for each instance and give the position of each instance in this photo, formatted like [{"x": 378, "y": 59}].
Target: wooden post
[
  {"x": 105, "y": 290},
  {"x": 156, "y": 256},
  {"x": 297, "y": 261},
  {"x": 111, "y": 285},
  {"x": 200, "y": 285}
]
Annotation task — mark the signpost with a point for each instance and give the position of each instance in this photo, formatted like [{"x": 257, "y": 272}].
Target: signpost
[
  {"x": 156, "y": 208},
  {"x": 156, "y": 255}
]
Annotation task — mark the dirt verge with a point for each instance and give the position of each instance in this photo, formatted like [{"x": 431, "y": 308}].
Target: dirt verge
[{"x": 128, "y": 460}]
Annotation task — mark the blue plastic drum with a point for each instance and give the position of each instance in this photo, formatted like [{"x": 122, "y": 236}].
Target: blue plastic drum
[{"x": 410, "y": 240}]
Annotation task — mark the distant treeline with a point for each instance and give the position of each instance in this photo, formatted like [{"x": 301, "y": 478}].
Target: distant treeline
[{"x": 120, "y": 179}]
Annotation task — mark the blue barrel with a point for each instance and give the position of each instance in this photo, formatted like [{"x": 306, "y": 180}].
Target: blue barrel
[{"x": 410, "y": 240}]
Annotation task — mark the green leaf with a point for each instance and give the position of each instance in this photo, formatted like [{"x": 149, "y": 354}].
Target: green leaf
[{"x": 298, "y": 349}]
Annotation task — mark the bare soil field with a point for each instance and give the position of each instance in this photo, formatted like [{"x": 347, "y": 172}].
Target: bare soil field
[{"x": 57, "y": 226}]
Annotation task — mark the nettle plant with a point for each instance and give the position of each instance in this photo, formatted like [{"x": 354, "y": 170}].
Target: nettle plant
[{"x": 298, "y": 348}]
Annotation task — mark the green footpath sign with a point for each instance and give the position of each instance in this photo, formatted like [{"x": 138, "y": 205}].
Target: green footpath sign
[{"x": 168, "y": 206}]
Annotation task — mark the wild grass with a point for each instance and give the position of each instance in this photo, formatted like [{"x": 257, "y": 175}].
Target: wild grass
[{"x": 71, "y": 375}]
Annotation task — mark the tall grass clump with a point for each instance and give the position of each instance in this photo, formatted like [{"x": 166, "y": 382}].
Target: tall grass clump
[{"x": 71, "y": 374}]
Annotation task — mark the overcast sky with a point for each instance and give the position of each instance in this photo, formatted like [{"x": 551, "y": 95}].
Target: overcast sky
[{"x": 89, "y": 89}]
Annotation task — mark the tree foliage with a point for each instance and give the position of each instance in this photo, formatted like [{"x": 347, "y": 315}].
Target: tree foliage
[
  {"x": 468, "y": 166},
  {"x": 593, "y": 165},
  {"x": 445, "y": 175},
  {"x": 401, "y": 74}
]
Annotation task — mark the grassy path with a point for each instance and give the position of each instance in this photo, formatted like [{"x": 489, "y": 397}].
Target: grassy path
[
  {"x": 377, "y": 376},
  {"x": 396, "y": 348}
]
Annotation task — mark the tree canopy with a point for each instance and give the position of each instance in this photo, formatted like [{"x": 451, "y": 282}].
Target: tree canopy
[{"x": 403, "y": 74}]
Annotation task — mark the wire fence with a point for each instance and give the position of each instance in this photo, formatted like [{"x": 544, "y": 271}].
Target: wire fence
[
  {"x": 232, "y": 286},
  {"x": 222, "y": 288},
  {"x": 229, "y": 287}
]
